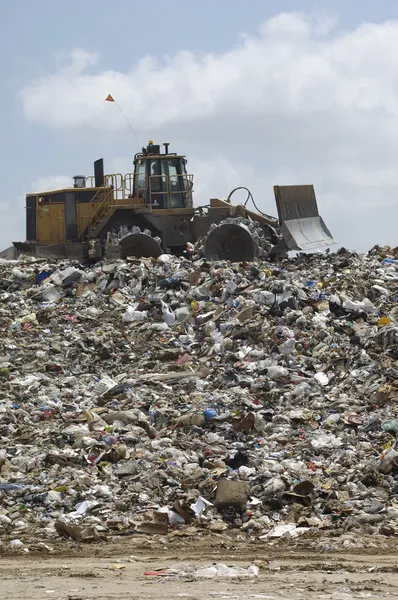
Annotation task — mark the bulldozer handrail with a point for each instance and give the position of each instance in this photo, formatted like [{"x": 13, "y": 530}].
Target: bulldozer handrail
[{"x": 123, "y": 186}]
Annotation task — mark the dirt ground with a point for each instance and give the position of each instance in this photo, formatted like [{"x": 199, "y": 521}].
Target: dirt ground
[{"x": 119, "y": 571}]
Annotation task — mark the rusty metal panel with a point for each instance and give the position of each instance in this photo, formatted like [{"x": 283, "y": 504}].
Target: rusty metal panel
[{"x": 295, "y": 202}]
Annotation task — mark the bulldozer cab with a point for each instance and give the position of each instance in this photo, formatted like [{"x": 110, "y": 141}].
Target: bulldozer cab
[{"x": 161, "y": 179}]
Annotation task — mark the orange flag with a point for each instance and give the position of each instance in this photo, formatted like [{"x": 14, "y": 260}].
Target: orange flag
[{"x": 109, "y": 98}]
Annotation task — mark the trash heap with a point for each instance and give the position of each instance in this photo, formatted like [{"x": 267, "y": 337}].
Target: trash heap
[{"x": 148, "y": 396}]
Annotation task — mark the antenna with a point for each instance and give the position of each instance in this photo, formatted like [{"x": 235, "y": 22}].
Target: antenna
[{"x": 110, "y": 98}]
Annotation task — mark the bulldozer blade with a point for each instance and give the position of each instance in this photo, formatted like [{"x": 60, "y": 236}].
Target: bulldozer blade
[
  {"x": 302, "y": 227},
  {"x": 230, "y": 241},
  {"x": 306, "y": 234},
  {"x": 25, "y": 248},
  {"x": 139, "y": 245}
]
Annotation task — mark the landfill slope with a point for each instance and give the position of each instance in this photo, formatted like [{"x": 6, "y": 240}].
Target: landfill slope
[{"x": 145, "y": 399}]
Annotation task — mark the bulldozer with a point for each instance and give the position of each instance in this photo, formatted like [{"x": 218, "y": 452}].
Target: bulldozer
[{"x": 150, "y": 212}]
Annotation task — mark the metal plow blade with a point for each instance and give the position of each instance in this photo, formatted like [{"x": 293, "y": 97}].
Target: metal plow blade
[
  {"x": 24, "y": 247},
  {"x": 306, "y": 234},
  {"x": 301, "y": 225},
  {"x": 139, "y": 245},
  {"x": 230, "y": 241}
]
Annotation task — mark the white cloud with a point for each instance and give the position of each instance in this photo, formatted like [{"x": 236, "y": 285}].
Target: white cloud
[
  {"x": 286, "y": 69},
  {"x": 300, "y": 102},
  {"x": 49, "y": 183}
]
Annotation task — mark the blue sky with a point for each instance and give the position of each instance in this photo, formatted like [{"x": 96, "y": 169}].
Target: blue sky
[{"x": 255, "y": 93}]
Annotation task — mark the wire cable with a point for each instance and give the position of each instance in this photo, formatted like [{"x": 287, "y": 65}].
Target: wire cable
[{"x": 250, "y": 197}]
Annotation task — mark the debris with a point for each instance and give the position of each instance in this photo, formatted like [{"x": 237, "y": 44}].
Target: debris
[
  {"x": 79, "y": 534},
  {"x": 231, "y": 493},
  {"x": 169, "y": 398},
  {"x": 158, "y": 524},
  {"x": 218, "y": 571}
]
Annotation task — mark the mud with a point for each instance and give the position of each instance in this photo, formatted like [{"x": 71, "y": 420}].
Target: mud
[{"x": 117, "y": 572}]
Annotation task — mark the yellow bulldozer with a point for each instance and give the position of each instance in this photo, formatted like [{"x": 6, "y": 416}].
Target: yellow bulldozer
[{"x": 150, "y": 211}]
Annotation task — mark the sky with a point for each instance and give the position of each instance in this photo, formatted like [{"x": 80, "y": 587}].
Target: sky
[{"x": 255, "y": 93}]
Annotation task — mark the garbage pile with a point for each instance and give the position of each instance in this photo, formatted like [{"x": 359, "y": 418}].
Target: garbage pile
[{"x": 151, "y": 396}]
